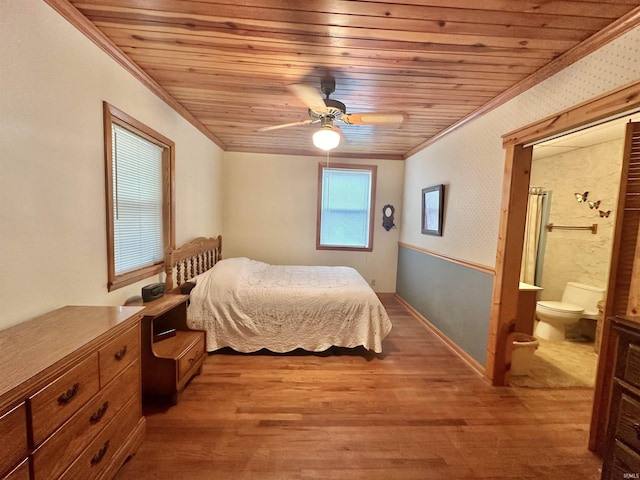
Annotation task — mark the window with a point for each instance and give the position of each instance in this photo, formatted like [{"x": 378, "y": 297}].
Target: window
[
  {"x": 139, "y": 170},
  {"x": 345, "y": 207}
]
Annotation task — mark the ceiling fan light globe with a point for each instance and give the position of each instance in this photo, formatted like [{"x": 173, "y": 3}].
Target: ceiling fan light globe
[{"x": 326, "y": 138}]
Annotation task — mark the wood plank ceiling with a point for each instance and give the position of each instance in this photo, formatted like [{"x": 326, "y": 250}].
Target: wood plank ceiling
[{"x": 229, "y": 62}]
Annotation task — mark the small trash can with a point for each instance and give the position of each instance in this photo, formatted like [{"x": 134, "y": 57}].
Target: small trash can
[{"x": 524, "y": 347}]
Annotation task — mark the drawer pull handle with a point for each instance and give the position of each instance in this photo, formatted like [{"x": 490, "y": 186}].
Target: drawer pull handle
[
  {"x": 68, "y": 395},
  {"x": 636, "y": 428},
  {"x": 98, "y": 414},
  {"x": 119, "y": 355},
  {"x": 97, "y": 458},
  {"x": 195, "y": 357}
]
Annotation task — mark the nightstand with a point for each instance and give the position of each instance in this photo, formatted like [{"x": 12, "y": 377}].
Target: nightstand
[{"x": 172, "y": 353}]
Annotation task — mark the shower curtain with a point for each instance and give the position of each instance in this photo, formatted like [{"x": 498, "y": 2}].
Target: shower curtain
[{"x": 532, "y": 235}]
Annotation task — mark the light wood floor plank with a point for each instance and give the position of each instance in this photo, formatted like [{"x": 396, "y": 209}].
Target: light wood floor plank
[{"x": 417, "y": 411}]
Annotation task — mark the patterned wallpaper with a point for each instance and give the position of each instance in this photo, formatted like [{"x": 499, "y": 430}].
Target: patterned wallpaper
[{"x": 470, "y": 161}]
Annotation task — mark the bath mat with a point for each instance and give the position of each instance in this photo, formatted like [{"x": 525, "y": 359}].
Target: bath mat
[{"x": 560, "y": 365}]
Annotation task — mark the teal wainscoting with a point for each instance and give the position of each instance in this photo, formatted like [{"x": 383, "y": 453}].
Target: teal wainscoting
[{"x": 455, "y": 298}]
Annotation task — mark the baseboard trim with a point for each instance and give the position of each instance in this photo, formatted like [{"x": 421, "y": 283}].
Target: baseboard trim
[
  {"x": 446, "y": 340},
  {"x": 384, "y": 295}
]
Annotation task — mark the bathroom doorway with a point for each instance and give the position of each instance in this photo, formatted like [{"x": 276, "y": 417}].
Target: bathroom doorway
[
  {"x": 518, "y": 153},
  {"x": 574, "y": 184}
]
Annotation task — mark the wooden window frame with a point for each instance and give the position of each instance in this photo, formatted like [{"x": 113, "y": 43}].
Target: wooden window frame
[
  {"x": 347, "y": 166},
  {"x": 113, "y": 115}
]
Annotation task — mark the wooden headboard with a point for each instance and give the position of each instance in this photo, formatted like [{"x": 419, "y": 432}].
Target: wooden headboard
[{"x": 191, "y": 259}]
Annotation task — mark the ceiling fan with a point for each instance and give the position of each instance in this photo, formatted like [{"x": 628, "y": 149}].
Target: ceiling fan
[{"x": 326, "y": 111}]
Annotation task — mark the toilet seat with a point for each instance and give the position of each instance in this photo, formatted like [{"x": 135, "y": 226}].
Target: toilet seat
[{"x": 558, "y": 307}]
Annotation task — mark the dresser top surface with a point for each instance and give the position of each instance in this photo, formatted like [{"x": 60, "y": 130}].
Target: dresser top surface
[{"x": 31, "y": 347}]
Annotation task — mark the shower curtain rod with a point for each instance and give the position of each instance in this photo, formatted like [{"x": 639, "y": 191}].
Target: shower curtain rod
[{"x": 593, "y": 227}]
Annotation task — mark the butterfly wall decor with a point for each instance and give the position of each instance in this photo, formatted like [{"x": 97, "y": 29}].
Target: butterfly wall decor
[
  {"x": 594, "y": 205},
  {"x": 581, "y": 197}
]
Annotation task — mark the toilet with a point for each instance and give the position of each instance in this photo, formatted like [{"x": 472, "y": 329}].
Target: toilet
[{"x": 578, "y": 301}]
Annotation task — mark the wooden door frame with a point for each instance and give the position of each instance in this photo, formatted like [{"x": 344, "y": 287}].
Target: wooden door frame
[{"x": 511, "y": 231}]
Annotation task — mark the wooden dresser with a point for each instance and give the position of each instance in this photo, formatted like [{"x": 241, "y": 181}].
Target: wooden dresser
[
  {"x": 70, "y": 394},
  {"x": 622, "y": 459}
]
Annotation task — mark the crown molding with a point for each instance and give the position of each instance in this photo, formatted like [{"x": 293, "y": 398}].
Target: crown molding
[
  {"x": 621, "y": 26},
  {"x": 82, "y": 23}
]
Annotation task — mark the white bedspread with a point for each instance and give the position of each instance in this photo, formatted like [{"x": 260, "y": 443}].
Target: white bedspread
[{"x": 248, "y": 305}]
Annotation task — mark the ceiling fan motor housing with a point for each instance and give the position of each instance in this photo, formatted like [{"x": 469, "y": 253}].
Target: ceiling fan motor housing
[
  {"x": 325, "y": 111},
  {"x": 335, "y": 106},
  {"x": 335, "y": 109}
]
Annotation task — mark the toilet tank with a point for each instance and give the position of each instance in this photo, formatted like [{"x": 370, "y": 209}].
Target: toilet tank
[{"x": 586, "y": 296}]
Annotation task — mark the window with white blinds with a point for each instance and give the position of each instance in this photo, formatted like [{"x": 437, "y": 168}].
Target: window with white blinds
[
  {"x": 345, "y": 207},
  {"x": 137, "y": 201},
  {"x": 139, "y": 198}
]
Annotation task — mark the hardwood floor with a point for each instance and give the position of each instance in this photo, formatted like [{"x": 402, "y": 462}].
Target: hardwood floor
[{"x": 415, "y": 412}]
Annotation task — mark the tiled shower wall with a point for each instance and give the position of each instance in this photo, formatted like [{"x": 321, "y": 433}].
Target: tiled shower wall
[{"x": 577, "y": 255}]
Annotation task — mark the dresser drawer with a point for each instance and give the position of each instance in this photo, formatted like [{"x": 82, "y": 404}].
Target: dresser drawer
[
  {"x": 13, "y": 438},
  {"x": 624, "y": 461},
  {"x": 191, "y": 357},
  {"x": 632, "y": 365},
  {"x": 101, "y": 450},
  {"x": 118, "y": 354},
  {"x": 21, "y": 472},
  {"x": 55, "y": 403},
  {"x": 628, "y": 425},
  {"x": 61, "y": 448}
]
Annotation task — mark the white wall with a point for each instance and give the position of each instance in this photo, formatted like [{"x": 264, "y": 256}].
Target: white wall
[
  {"x": 470, "y": 160},
  {"x": 270, "y": 214},
  {"x": 52, "y": 202}
]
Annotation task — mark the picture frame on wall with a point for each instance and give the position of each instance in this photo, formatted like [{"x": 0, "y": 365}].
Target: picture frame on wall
[{"x": 432, "y": 210}]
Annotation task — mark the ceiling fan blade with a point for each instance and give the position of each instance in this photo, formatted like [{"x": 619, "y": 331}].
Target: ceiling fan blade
[
  {"x": 309, "y": 96},
  {"x": 374, "y": 118},
  {"x": 285, "y": 125}
]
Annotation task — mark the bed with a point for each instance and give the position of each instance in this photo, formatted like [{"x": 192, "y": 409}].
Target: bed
[{"x": 249, "y": 305}]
